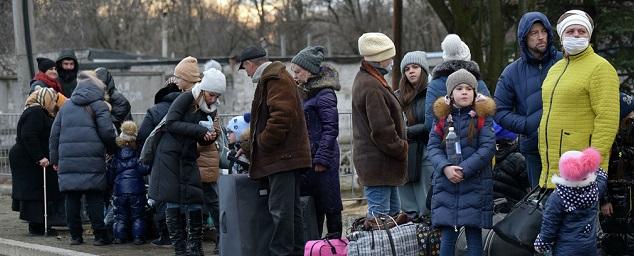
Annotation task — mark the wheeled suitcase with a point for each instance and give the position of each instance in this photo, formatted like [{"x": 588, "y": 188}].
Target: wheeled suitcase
[{"x": 245, "y": 223}]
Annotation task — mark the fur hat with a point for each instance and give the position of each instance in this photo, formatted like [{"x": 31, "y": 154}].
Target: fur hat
[
  {"x": 244, "y": 141},
  {"x": 187, "y": 69},
  {"x": 44, "y": 64},
  {"x": 376, "y": 47},
  {"x": 453, "y": 48},
  {"x": 128, "y": 134},
  {"x": 415, "y": 57},
  {"x": 578, "y": 169},
  {"x": 310, "y": 58},
  {"x": 462, "y": 76},
  {"x": 574, "y": 17}
]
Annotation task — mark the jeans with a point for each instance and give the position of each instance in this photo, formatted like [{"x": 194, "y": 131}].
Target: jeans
[
  {"x": 286, "y": 212},
  {"x": 94, "y": 206},
  {"x": 449, "y": 237},
  {"x": 210, "y": 203},
  {"x": 184, "y": 207},
  {"x": 382, "y": 200},
  {"x": 533, "y": 168}
]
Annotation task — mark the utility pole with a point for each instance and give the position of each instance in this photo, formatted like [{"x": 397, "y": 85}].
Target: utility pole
[
  {"x": 164, "y": 34},
  {"x": 23, "y": 29},
  {"x": 398, "y": 36}
]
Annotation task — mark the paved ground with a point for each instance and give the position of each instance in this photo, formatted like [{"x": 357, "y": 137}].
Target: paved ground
[{"x": 13, "y": 228}]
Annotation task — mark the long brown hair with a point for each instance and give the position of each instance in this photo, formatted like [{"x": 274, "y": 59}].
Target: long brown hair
[{"x": 408, "y": 92}]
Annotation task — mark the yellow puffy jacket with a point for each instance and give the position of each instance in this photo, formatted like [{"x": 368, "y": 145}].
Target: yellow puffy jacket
[{"x": 581, "y": 109}]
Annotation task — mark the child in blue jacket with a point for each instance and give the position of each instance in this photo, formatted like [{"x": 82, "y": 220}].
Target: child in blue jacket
[
  {"x": 129, "y": 187},
  {"x": 462, "y": 192},
  {"x": 569, "y": 225}
]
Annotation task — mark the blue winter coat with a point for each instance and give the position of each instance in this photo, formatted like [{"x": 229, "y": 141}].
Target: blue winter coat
[
  {"x": 81, "y": 136},
  {"x": 322, "y": 121},
  {"x": 470, "y": 202},
  {"x": 518, "y": 94},
  {"x": 437, "y": 87},
  {"x": 128, "y": 172},
  {"x": 571, "y": 224}
]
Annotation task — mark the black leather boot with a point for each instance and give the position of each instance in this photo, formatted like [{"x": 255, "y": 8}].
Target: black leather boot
[
  {"x": 176, "y": 226},
  {"x": 164, "y": 235},
  {"x": 195, "y": 233},
  {"x": 101, "y": 238}
]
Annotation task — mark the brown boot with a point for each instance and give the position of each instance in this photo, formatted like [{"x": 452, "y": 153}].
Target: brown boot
[{"x": 373, "y": 224}]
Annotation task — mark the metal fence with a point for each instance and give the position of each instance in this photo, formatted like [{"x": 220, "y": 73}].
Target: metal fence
[{"x": 349, "y": 186}]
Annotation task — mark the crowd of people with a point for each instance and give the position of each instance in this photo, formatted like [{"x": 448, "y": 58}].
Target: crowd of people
[{"x": 550, "y": 123}]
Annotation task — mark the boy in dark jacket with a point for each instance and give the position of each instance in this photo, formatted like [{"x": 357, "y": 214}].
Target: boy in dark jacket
[
  {"x": 569, "y": 225},
  {"x": 129, "y": 187}
]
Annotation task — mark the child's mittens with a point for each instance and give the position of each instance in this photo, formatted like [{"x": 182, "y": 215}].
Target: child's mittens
[{"x": 540, "y": 246}]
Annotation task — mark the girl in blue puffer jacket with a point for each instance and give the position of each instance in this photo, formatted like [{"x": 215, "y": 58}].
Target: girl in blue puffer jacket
[
  {"x": 569, "y": 224},
  {"x": 129, "y": 187},
  {"x": 462, "y": 193}
]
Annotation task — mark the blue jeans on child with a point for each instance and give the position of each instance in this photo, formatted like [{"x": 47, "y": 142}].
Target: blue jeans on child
[
  {"x": 382, "y": 200},
  {"x": 449, "y": 237}
]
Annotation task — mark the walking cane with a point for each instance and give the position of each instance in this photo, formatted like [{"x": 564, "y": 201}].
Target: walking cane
[{"x": 45, "y": 205}]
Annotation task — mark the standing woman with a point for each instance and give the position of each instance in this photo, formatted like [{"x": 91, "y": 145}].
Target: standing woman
[
  {"x": 175, "y": 177},
  {"x": 30, "y": 155},
  {"x": 47, "y": 76},
  {"x": 412, "y": 92},
  {"x": 318, "y": 85}
]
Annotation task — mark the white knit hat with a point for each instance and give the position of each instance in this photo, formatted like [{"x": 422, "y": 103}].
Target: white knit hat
[
  {"x": 376, "y": 47},
  {"x": 575, "y": 17},
  {"x": 213, "y": 81},
  {"x": 213, "y": 64},
  {"x": 453, "y": 48}
]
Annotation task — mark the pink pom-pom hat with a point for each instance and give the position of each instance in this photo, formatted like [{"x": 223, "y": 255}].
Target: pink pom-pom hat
[{"x": 576, "y": 166}]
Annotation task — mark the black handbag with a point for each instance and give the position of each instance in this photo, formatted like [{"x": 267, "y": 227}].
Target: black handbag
[{"x": 522, "y": 225}]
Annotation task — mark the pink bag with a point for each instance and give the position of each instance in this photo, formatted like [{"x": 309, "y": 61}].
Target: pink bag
[{"x": 326, "y": 247}]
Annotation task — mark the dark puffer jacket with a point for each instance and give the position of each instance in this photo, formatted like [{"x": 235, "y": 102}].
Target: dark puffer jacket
[
  {"x": 518, "y": 94},
  {"x": 509, "y": 172},
  {"x": 68, "y": 79},
  {"x": 322, "y": 121},
  {"x": 470, "y": 202},
  {"x": 81, "y": 136},
  {"x": 175, "y": 177},
  {"x": 128, "y": 172},
  {"x": 162, "y": 102},
  {"x": 120, "y": 105},
  {"x": 570, "y": 218},
  {"x": 437, "y": 87}
]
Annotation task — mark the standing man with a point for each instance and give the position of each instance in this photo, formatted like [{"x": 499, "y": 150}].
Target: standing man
[
  {"x": 518, "y": 94},
  {"x": 280, "y": 151},
  {"x": 67, "y": 68},
  {"x": 380, "y": 145}
]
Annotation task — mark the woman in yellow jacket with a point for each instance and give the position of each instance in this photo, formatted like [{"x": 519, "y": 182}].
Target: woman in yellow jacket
[{"x": 580, "y": 98}]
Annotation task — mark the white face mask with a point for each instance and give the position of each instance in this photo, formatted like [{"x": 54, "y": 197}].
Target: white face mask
[
  {"x": 389, "y": 67},
  {"x": 574, "y": 45}
]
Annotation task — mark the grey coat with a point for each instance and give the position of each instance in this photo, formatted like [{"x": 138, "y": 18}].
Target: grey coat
[{"x": 81, "y": 135}]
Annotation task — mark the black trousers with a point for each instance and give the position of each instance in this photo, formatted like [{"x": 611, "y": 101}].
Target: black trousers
[
  {"x": 94, "y": 206},
  {"x": 286, "y": 211}
]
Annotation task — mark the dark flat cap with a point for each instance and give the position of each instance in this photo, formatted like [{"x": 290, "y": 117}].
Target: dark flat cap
[{"x": 249, "y": 53}]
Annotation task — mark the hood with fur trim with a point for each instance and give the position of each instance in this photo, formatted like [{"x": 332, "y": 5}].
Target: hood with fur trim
[
  {"x": 448, "y": 67},
  {"x": 484, "y": 107},
  {"x": 328, "y": 77}
]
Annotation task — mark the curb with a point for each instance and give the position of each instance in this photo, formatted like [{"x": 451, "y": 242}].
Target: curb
[{"x": 13, "y": 247}]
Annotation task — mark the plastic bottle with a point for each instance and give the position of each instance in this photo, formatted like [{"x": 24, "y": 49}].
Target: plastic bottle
[{"x": 454, "y": 150}]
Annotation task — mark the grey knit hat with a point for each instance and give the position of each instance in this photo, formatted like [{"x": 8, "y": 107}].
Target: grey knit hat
[
  {"x": 310, "y": 58},
  {"x": 415, "y": 57},
  {"x": 461, "y": 76}
]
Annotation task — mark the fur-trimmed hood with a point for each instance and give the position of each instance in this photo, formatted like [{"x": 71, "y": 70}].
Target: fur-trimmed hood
[
  {"x": 484, "y": 107},
  {"x": 448, "y": 67},
  {"x": 328, "y": 77}
]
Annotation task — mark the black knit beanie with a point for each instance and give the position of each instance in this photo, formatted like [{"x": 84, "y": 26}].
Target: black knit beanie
[{"x": 44, "y": 64}]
